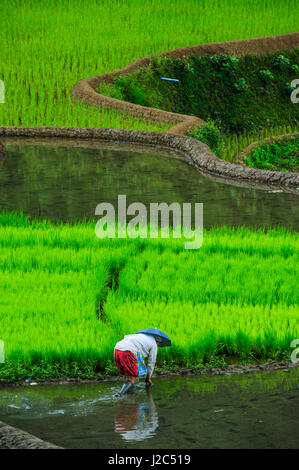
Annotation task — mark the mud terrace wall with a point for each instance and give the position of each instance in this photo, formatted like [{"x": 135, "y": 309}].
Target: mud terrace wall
[
  {"x": 85, "y": 90},
  {"x": 13, "y": 438},
  {"x": 193, "y": 150}
]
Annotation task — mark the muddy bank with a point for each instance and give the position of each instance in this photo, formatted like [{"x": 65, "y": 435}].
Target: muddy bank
[{"x": 185, "y": 371}]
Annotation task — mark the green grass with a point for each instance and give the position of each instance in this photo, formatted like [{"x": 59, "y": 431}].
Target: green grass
[
  {"x": 228, "y": 146},
  {"x": 237, "y": 111},
  {"x": 237, "y": 295},
  {"x": 282, "y": 155},
  {"x": 235, "y": 143},
  {"x": 240, "y": 94},
  {"x": 50, "y": 45}
]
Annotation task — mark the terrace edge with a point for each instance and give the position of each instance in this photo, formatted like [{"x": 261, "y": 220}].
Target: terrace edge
[
  {"x": 193, "y": 150},
  {"x": 85, "y": 90},
  {"x": 14, "y": 438}
]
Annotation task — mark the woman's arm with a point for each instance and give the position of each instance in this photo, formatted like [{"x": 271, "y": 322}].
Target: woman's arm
[{"x": 151, "y": 362}]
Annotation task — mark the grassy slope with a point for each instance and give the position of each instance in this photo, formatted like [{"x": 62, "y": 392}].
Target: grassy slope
[
  {"x": 50, "y": 45},
  {"x": 242, "y": 94},
  {"x": 241, "y": 300},
  {"x": 282, "y": 155}
]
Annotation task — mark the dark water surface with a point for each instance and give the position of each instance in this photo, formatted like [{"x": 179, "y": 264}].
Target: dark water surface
[
  {"x": 69, "y": 182},
  {"x": 257, "y": 410}
]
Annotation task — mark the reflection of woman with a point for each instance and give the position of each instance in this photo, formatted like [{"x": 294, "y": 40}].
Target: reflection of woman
[{"x": 136, "y": 421}]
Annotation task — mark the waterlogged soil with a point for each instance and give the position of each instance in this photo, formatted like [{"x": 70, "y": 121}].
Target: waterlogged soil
[
  {"x": 68, "y": 182},
  {"x": 255, "y": 410}
]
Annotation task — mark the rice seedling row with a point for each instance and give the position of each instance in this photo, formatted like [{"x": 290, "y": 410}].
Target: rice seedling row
[
  {"x": 51, "y": 45},
  {"x": 235, "y": 296}
]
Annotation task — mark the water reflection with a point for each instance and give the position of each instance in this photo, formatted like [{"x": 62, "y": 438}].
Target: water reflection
[
  {"x": 231, "y": 411},
  {"x": 69, "y": 182},
  {"x": 136, "y": 421}
]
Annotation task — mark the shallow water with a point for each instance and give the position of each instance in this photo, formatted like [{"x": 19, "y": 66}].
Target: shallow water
[
  {"x": 69, "y": 182},
  {"x": 256, "y": 410}
]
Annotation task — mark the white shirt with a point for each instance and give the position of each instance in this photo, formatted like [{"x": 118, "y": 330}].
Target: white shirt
[{"x": 142, "y": 344}]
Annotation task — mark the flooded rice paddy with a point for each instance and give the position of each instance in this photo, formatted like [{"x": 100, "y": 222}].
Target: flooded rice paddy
[
  {"x": 69, "y": 181},
  {"x": 255, "y": 410}
]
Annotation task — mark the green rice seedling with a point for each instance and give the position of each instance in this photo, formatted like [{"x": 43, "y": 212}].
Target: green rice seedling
[
  {"x": 223, "y": 276},
  {"x": 56, "y": 43},
  {"x": 201, "y": 331},
  {"x": 66, "y": 297}
]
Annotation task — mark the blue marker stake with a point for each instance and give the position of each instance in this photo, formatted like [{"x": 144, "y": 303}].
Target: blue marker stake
[{"x": 169, "y": 79}]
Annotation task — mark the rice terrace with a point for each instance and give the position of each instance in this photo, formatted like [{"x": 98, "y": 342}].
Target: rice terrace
[{"x": 172, "y": 105}]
